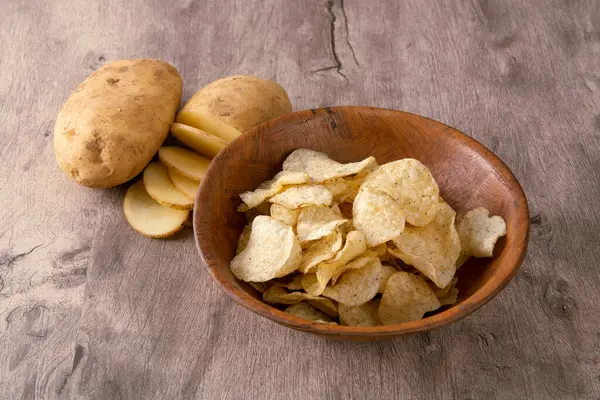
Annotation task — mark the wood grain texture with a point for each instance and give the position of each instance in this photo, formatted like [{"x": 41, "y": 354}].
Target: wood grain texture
[
  {"x": 468, "y": 174},
  {"x": 522, "y": 77}
]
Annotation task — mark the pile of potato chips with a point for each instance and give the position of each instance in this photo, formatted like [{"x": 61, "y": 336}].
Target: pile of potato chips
[{"x": 358, "y": 243}]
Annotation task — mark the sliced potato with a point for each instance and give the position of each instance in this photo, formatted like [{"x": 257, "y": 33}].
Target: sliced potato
[
  {"x": 160, "y": 188},
  {"x": 198, "y": 140},
  {"x": 186, "y": 162},
  {"x": 209, "y": 124},
  {"x": 185, "y": 185},
  {"x": 150, "y": 218}
]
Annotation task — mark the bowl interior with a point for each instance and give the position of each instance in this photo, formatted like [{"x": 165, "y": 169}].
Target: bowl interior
[{"x": 467, "y": 173}]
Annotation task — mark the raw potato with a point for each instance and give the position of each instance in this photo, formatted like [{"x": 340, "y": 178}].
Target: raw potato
[
  {"x": 187, "y": 186},
  {"x": 112, "y": 125},
  {"x": 186, "y": 162},
  {"x": 201, "y": 142},
  {"x": 230, "y": 106},
  {"x": 160, "y": 188},
  {"x": 149, "y": 217}
]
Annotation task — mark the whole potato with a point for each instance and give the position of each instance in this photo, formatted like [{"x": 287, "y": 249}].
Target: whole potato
[
  {"x": 240, "y": 102},
  {"x": 116, "y": 120}
]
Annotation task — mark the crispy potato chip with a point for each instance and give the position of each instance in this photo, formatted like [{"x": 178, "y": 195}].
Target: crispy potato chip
[
  {"x": 317, "y": 222},
  {"x": 411, "y": 185},
  {"x": 320, "y": 250},
  {"x": 450, "y": 298},
  {"x": 272, "y": 251},
  {"x": 378, "y": 216},
  {"x": 302, "y": 196},
  {"x": 306, "y": 311},
  {"x": 442, "y": 292},
  {"x": 363, "y": 315},
  {"x": 251, "y": 213},
  {"x": 290, "y": 282},
  {"x": 355, "y": 245},
  {"x": 432, "y": 249},
  {"x": 278, "y": 295},
  {"x": 359, "y": 262},
  {"x": 270, "y": 188},
  {"x": 260, "y": 287},
  {"x": 479, "y": 232},
  {"x": 386, "y": 272},
  {"x": 244, "y": 238},
  {"x": 356, "y": 286},
  {"x": 407, "y": 297},
  {"x": 326, "y": 305},
  {"x": 338, "y": 188},
  {"x": 321, "y": 168},
  {"x": 284, "y": 214}
]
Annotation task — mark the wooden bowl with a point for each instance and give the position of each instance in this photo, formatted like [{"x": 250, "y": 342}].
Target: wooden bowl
[{"x": 468, "y": 175}]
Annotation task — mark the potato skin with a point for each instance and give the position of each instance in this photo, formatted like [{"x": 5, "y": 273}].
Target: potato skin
[
  {"x": 242, "y": 101},
  {"x": 116, "y": 120}
]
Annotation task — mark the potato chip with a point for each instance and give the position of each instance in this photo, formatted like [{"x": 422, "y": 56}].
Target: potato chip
[
  {"x": 326, "y": 305},
  {"x": 407, "y": 297},
  {"x": 290, "y": 282},
  {"x": 306, "y": 311},
  {"x": 302, "y": 196},
  {"x": 355, "y": 245},
  {"x": 284, "y": 214},
  {"x": 317, "y": 222},
  {"x": 386, "y": 272},
  {"x": 270, "y": 188},
  {"x": 338, "y": 187},
  {"x": 260, "y": 287},
  {"x": 479, "y": 232},
  {"x": 432, "y": 249},
  {"x": 356, "y": 286},
  {"x": 362, "y": 315},
  {"x": 320, "y": 167},
  {"x": 278, "y": 295},
  {"x": 320, "y": 250},
  {"x": 378, "y": 216},
  {"x": 450, "y": 298},
  {"x": 359, "y": 262},
  {"x": 244, "y": 238},
  {"x": 411, "y": 185},
  {"x": 442, "y": 292},
  {"x": 272, "y": 251}
]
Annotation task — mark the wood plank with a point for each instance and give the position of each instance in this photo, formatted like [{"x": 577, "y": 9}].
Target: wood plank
[{"x": 522, "y": 77}]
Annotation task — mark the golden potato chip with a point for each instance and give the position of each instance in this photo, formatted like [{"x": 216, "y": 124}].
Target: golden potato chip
[
  {"x": 407, "y": 297},
  {"x": 432, "y": 249},
  {"x": 320, "y": 250},
  {"x": 359, "y": 262},
  {"x": 355, "y": 245},
  {"x": 244, "y": 238},
  {"x": 306, "y": 311},
  {"x": 450, "y": 298},
  {"x": 338, "y": 188},
  {"x": 270, "y": 188},
  {"x": 302, "y": 196},
  {"x": 260, "y": 287},
  {"x": 479, "y": 232},
  {"x": 320, "y": 167},
  {"x": 326, "y": 305},
  {"x": 386, "y": 272},
  {"x": 411, "y": 185},
  {"x": 278, "y": 295},
  {"x": 284, "y": 214},
  {"x": 356, "y": 286},
  {"x": 378, "y": 216},
  {"x": 442, "y": 292},
  {"x": 362, "y": 315},
  {"x": 272, "y": 251},
  {"x": 290, "y": 282},
  {"x": 317, "y": 222}
]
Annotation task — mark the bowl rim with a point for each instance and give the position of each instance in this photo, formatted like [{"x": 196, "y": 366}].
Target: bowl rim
[{"x": 446, "y": 317}]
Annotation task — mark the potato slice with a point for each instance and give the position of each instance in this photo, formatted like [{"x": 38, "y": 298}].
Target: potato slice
[
  {"x": 160, "y": 188},
  {"x": 185, "y": 185},
  {"x": 205, "y": 122},
  {"x": 150, "y": 218},
  {"x": 186, "y": 162},
  {"x": 196, "y": 139}
]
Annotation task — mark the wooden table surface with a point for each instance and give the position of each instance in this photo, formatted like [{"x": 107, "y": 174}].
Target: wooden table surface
[{"x": 91, "y": 309}]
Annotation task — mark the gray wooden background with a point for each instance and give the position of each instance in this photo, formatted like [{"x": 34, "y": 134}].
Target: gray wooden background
[{"x": 90, "y": 309}]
